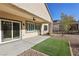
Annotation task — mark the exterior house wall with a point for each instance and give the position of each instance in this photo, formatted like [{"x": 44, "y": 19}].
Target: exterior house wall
[{"x": 28, "y": 35}]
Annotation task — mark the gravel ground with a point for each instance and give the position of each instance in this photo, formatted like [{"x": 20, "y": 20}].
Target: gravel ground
[
  {"x": 32, "y": 52},
  {"x": 76, "y": 51}
]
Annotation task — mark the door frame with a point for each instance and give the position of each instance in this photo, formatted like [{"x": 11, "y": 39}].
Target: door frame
[{"x": 12, "y": 39}]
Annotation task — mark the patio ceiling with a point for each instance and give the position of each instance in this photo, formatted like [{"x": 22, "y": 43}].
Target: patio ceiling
[{"x": 13, "y": 12}]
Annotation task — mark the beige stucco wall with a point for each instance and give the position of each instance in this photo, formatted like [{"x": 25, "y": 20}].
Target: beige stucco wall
[{"x": 38, "y": 9}]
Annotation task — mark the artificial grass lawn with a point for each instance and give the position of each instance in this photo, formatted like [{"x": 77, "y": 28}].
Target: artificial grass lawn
[{"x": 53, "y": 47}]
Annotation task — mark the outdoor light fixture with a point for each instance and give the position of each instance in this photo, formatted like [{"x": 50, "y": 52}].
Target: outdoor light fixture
[
  {"x": 34, "y": 19},
  {"x": 23, "y": 24}
]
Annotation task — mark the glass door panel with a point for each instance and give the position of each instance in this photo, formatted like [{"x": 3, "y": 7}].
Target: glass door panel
[
  {"x": 6, "y": 28},
  {"x": 16, "y": 30}
]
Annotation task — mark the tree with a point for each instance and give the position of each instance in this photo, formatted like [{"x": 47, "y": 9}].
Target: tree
[{"x": 66, "y": 22}]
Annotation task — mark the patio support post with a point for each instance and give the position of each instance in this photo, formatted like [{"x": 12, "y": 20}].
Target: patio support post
[
  {"x": 0, "y": 31},
  {"x": 41, "y": 29},
  {"x": 50, "y": 28}
]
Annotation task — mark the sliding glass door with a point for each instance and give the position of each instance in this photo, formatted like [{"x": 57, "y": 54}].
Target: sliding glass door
[{"x": 10, "y": 30}]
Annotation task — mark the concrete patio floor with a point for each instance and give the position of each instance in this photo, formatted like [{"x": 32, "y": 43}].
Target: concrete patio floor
[{"x": 19, "y": 46}]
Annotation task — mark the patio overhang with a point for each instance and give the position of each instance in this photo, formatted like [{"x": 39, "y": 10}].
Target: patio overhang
[{"x": 11, "y": 11}]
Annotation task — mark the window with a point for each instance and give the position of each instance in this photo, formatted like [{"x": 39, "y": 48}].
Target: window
[
  {"x": 37, "y": 26},
  {"x": 30, "y": 26},
  {"x": 45, "y": 27}
]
